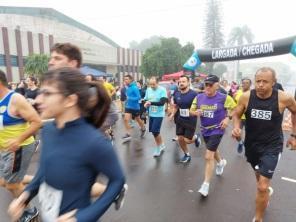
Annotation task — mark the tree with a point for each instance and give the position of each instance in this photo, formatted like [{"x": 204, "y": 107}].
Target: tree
[
  {"x": 213, "y": 36},
  {"x": 219, "y": 69},
  {"x": 36, "y": 64},
  {"x": 145, "y": 43},
  {"x": 240, "y": 36},
  {"x": 166, "y": 57}
]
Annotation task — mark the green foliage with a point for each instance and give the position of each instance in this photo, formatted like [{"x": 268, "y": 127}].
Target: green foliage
[
  {"x": 240, "y": 36},
  {"x": 145, "y": 43},
  {"x": 166, "y": 57},
  {"x": 219, "y": 69},
  {"x": 36, "y": 64}
]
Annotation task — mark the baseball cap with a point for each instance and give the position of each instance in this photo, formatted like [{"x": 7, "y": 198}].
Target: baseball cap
[{"x": 211, "y": 79}]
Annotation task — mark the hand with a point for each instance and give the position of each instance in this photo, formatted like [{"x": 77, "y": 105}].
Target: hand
[
  {"x": 17, "y": 206},
  {"x": 291, "y": 142},
  {"x": 68, "y": 217},
  {"x": 236, "y": 133},
  {"x": 198, "y": 113},
  {"x": 224, "y": 123},
  {"x": 13, "y": 145},
  {"x": 147, "y": 104},
  {"x": 171, "y": 116}
]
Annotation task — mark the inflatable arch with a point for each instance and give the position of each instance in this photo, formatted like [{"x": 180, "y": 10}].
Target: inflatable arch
[{"x": 250, "y": 51}]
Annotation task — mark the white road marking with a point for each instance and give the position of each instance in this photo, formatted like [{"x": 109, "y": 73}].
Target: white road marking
[{"x": 289, "y": 179}]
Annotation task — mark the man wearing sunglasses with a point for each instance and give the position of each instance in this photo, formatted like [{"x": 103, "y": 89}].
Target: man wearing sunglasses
[{"x": 213, "y": 108}]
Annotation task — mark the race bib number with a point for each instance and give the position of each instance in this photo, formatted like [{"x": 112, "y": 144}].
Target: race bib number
[
  {"x": 50, "y": 201},
  {"x": 184, "y": 112},
  {"x": 1, "y": 122},
  {"x": 208, "y": 114},
  {"x": 154, "y": 109},
  {"x": 261, "y": 114}
]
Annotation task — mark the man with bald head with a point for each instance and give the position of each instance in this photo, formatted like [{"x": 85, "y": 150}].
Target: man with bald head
[
  {"x": 155, "y": 99},
  {"x": 264, "y": 107}
]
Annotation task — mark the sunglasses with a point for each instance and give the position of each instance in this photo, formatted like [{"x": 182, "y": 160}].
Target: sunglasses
[{"x": 208, "y": 84}]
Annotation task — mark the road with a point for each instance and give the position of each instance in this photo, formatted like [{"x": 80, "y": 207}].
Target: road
[{"x": 163, "y": 190}]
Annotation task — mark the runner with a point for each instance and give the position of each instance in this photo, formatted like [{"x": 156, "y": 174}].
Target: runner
[
  {"x": 69, "y": 165},
  {"x": 264, "y": 107},
  {"x": 214, "y": 109},
  {"x": 185, "y": 124},
  {"x": 246, "y": 86},
  {"x": 18, "y": 123},
  {"x": 155, "y": 99},
  {"x": 132, "y": 107},
  {"x": 69, "y": 55}
]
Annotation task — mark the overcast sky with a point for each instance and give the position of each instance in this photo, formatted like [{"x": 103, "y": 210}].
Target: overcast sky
[{"x": 127, "y": 20}]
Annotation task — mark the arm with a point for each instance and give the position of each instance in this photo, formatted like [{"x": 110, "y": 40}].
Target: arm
[
  {"x": 28, "y": 113},
  {"x": 161, "y": 102},
  {"x": 237, "y": 114},
  {"x": 291, "y": 106},
  {"x": 134, "y": 95},
  {"x": 103, "y": 160},
  {"x": 193, "y": 109}
]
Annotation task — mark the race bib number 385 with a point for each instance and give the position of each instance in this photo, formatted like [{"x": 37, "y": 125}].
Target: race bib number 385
[{"x": 261, "y": 114}]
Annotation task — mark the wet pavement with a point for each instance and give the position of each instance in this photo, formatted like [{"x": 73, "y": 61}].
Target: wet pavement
[{"x": 163, "y": 190}]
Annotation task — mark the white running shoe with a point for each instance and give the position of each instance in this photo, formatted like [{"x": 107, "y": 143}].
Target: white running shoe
[
  {"x": 220, "y": 167},
  {"x": 204, "y": 189}
]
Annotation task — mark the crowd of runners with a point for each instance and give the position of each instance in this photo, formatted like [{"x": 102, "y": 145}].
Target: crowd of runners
[{"x": 70, "y": 106}]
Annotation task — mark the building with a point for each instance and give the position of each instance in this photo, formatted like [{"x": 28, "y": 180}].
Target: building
[{"x": 26, "y": 30}]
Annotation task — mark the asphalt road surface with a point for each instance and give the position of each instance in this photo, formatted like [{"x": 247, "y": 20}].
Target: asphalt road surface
[{"x": 163, "y": 190}]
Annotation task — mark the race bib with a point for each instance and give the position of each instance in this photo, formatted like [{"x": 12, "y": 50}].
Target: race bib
[
  {"x": 208, "y": 114},
  {"x": 261, "y": 114},
  {"x": 154, "y": 109},
  {"x": 184, "y": 112},
  {"x": 1, "y": 122},
  {"x": 50, "y": 201}
]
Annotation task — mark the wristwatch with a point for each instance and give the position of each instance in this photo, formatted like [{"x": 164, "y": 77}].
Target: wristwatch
[{"x": 293, "y": 135}]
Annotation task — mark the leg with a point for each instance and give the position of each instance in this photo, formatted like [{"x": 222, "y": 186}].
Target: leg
[
  {"x": 158, "y": 140},
  {"x": 127, "y": 118},
  {"x": 183, "y": 144},
  {"x": 140, "y": 122},
  {"x": 262, "y": 197},
  {"x": 217, "y": 156},
  {"x": 210, "y": 163}
]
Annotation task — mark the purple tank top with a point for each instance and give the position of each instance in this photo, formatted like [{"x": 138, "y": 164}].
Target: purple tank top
[{"x": 213, "y": 112}]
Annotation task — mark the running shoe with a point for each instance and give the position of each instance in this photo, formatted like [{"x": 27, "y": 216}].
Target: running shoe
[
  {"x": 185, "y": 159},
  {"x": 30, "y": 214},
  {"x": 254, "y": 220},
  {"x": 175, "y": 139},
  {"x": 126, "y": 138},
  {"x": 158, "y": 150},
  {"x": 204, "y": 189},
  {"x": 143, "y": 132},
  {"x": 197, "y": 140},
  {"x": 119, "y": 201},
  {"x": 220, "y": 167},
  {"x": 240, "y": 148}
]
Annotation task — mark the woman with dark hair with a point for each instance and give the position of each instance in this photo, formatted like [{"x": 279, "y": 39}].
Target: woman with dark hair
[{"x": 73, "y": 152}]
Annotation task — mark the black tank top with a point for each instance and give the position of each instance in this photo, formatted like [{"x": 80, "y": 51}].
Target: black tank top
[{"x": 264, "y": 121}]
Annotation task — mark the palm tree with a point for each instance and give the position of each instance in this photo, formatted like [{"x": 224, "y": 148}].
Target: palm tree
[
  {"x": 240, "y": 36},
  {"x": 36, "y": 64}
]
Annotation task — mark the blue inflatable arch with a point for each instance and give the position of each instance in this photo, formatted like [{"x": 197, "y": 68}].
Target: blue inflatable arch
[{"x": 250, "y": 51}]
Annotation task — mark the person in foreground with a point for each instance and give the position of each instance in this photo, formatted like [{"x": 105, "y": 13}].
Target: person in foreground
[
  {"x": 73, "y": 152},
  {"x": 264, "y": 108}
]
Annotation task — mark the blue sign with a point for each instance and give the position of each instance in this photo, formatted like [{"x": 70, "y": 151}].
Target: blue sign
[
  {"x": 293, "y": 48},
  {"x": 193, "y": 62}
]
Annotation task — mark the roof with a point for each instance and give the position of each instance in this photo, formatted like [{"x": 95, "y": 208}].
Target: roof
[{"x": 50, "y": 13}]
